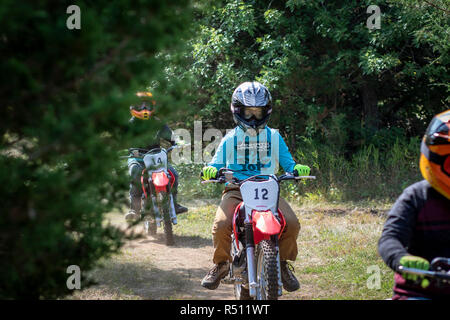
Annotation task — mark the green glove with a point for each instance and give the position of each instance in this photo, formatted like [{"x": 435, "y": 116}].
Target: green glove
[
  {"x": 302, "y": 170},
  {"x": 209, "y": 172},
  {"x": 415, "y": 263}
]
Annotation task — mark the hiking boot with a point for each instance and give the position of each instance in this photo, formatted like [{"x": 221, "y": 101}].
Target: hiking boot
[
  {"x": 179, "y": 209},
  {"x": 131, "y": 216},
  {"x": 212, "y": 279},
  {"x": 290, "y": 282},
  {"x": 135, "y": 208}
]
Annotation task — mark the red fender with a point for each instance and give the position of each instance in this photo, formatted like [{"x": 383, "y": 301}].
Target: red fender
[
  {"x": 268, "y": 224},
  {"x": 160, "y": 181},
  {"x": 264, "y": 225}
]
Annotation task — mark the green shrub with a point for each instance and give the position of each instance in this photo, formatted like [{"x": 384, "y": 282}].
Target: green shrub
[{"x": 65, "y": 108}]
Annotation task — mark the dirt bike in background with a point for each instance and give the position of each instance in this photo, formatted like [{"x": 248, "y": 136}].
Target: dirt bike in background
[
  {"x": 157, "y": 201},
  {"x": 255, "y": 270}
]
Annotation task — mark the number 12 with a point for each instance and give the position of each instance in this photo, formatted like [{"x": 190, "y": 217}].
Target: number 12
[{"x": 264, "y": 193}]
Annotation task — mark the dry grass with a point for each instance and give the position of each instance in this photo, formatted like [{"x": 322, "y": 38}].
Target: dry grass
[{"x": 337, "y": 243}]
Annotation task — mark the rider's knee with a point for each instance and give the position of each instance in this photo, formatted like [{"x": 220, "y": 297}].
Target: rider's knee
[
  {"x": 294, "y": 226},
  {"x": 134, "y": 171},
  {"x": 221, "y": 226},
  {"x": 292, "y": 223}
]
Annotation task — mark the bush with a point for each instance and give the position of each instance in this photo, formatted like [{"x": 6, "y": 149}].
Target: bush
[
  {"x": 369, "y": 173},
  {"x": 64, "y": 115}
]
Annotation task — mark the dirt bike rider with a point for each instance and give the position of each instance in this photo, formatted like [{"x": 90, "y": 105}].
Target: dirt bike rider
[
  {"x": 251, "y": 105},
  {"x": 417, "y": 229},
  {"x": 143, "y": 111}
]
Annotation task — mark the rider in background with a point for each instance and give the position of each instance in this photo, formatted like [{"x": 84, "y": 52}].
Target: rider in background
[
  {"x": 142, "y": 111},
  {"x": 417, "y": 229},
  {"x": 242, "y": 150}
]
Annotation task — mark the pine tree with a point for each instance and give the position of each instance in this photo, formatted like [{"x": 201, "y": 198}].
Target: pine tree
[{"x": 63, "y": 116}]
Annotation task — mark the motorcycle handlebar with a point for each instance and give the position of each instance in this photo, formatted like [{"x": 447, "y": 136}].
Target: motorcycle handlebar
[
  {"x": 426, "y": 273},
  {"x": 221, "y": 177},
  {"x": 142, "y": 151},
  {"x": 439, "y": 269}
]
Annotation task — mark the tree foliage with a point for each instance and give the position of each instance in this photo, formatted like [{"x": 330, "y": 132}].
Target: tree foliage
[
  {"x": 325, "y": 66},
  {"x": 64, "y": 115},
  {"x": 345, "y": 97}
]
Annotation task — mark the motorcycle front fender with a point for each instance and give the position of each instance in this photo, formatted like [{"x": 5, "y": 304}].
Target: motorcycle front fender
[
  {"x": 160, "y": 181},
  {"x": 265, "y": 224}
]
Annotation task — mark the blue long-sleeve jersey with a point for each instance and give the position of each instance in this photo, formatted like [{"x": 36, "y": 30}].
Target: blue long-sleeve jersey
[{"x": 253, "y": 155}]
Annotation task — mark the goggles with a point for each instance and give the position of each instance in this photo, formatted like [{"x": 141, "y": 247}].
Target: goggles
[
  {"x": 443, "y": 161},
  {"x": 257, "y": 112},
  {"x": 143, "y": 112}
]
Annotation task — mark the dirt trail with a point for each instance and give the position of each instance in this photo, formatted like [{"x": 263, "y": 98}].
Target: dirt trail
[
  {"x": 180, "y": 268},
  {"x": 148, "y": 269}
]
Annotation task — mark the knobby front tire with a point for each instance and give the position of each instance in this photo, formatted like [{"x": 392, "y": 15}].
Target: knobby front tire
[
  {"x": 267, "y": 270},
  {"x": 168, "y": 232}
]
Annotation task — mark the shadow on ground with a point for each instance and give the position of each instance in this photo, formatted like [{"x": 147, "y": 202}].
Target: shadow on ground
[
  {"x": 130, "y": 280},
  {"x": 180, "y": 241}
]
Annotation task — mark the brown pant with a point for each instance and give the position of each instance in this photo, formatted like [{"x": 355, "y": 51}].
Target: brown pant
[{"x": 222, "y": 227}]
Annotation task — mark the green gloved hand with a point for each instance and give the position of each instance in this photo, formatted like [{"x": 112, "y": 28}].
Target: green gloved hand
[
  {"x": 302, "y": 170},
  {"x": 209, "y": 172},
  {"x": 415, "y": 263}
]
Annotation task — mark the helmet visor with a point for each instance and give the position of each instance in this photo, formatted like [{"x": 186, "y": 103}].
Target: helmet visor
[
  {"x": 446, "y": 165},
  {"x": 257, "y": 112},
  {"x": 144, "y": 106},
  {"x": 442, "y": 160}
]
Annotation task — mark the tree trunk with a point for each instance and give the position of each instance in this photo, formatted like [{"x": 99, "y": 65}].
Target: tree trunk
[{"x": 370, "y": 104}]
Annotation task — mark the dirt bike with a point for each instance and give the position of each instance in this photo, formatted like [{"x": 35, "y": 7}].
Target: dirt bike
[
  {"x": 439, "y": 271},
  {"x": 257, "y": 225},
  {"x": 157, "y": 181}
]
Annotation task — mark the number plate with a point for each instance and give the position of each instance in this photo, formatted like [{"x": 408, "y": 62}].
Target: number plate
[
  {"x": 261, "y": 195},
  {"x": 155, "y": 161}
]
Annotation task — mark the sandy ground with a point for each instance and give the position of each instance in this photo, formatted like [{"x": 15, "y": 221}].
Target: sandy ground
[
  {"x": 149, "y": 269},
  {"x": 184, "y": 265}
]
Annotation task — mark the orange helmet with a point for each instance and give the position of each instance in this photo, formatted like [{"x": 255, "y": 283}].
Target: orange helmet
[
  {"x": 145, "y": 108},
  {"x": 435, "y": 153}
]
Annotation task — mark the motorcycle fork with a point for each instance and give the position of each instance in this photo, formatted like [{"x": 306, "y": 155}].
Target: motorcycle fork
[
  {"x": 251, "y": 265},
  {"x": 152, "y": 203},
  {"x": 250, "y": 251},
  {"x": 163, "y": 199}
]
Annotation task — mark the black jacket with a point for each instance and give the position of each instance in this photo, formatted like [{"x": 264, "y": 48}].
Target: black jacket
[
  {"x": 418, "y": 224},
  {"x": 163, "y": 132}
]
